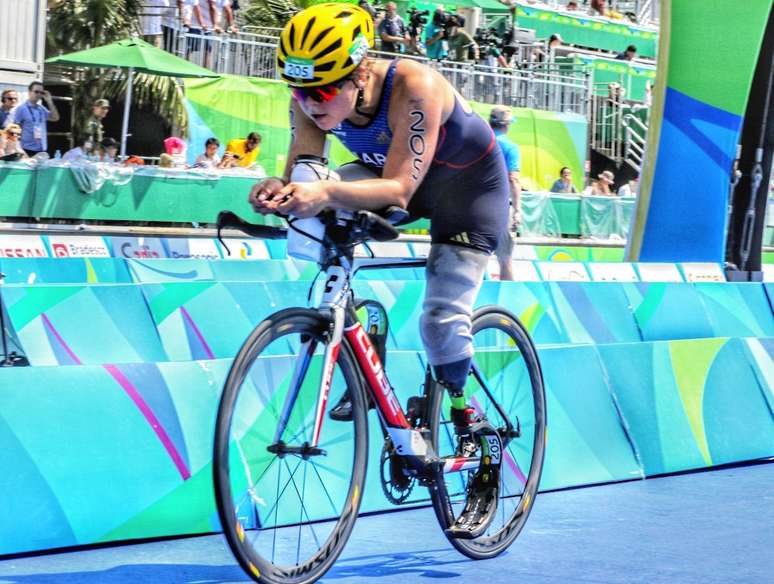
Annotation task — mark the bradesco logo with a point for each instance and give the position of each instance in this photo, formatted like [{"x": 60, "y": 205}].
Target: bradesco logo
[
  {"x": 78, "y": 247},
  {"x": 22, "y": 246}
]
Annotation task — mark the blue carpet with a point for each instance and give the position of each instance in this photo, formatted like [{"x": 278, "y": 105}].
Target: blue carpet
[{"x": 710, "y": 527}]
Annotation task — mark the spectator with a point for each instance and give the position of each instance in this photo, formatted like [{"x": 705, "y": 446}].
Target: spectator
[
  {"x": 32, "y": 117},
  {"x": 81, "y": 150},
  {"x": 392, "y": 30},
  {"x": 209, "y": 159},
  {"x": 151, "y": 13},
  {"x": 208, "y": 17},
  {"x": 435, "y": 43},
  {"x": 225, "y": 10},
  {"x": 10, "y": 146},
  {"x": 242, "y": 153},
  {"x": 628, "y": 55},
  {"x": 462, "y": 46},
  {"x": 604, "y": 186},
  {"x": 10, "y": 99},
  {"x": 166, "y": 161},
  {"x": 598, "y": 8},
  {"x": 629, "y": 189},
  {"x": 554, "y": 41},
  {"x": 564, "y": 183},
  {"x": 572, "y": 6},
  {"x": 108, "y": 150},
  {"x": 94, "y": 129},
  {"x": 176, "y": 148},
  {"x": 500, "y": 119}
]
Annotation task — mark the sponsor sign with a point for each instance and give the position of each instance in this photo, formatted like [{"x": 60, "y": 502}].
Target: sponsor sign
[
  {"x": 702, "y": 272},
  {"x": 22, "y": 246},
  {"x": 194, "y": 248},
  {"x": 658, "y": 272},
  {"x": 143, "y": 248},
  {"x": 245, "y": 249},
  {"x": 612, "y": 272},
  {"x": 563, "y": 271},
  {"x": 78, "y": 246}
]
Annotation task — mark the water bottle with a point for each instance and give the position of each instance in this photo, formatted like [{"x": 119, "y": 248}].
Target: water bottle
[{"x": 58, "y": 154}]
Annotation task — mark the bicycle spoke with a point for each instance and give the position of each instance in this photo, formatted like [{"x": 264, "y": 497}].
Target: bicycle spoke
[{"x": 322, "y": 482}]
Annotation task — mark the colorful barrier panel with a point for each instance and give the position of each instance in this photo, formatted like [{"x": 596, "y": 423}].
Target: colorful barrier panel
[{"x": 125, "y": 450}]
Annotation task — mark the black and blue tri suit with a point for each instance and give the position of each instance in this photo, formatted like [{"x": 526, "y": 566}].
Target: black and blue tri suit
[{"x": 465, "y": 192}]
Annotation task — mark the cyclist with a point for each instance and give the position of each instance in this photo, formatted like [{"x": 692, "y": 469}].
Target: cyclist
[{"x": 420, "y": 147}]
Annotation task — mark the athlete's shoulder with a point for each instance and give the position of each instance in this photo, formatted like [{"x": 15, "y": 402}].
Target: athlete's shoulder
[{"x": 416, "y": 80}]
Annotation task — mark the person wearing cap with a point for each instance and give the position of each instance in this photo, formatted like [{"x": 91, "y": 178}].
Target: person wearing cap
[
  {"x": 603, "y": 186},
  {"x": 94, "y": 130},
  {"x": 500, "y": 119}
]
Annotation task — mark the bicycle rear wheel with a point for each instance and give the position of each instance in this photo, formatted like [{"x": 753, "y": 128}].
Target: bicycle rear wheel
[
  {"x": 287, "y": 508},
  {"x": 506, "y": 370}
]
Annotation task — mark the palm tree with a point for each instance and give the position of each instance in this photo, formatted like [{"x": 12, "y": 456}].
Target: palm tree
[{"x": 75, "y": 25}]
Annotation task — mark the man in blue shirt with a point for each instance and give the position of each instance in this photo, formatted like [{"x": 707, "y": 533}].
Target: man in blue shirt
[
  {"x": 392, "y": 30},
  {"x": 436, "y": 45},
  {"x": 32, "y": 116},
  {"x": 500, "y": 119}
]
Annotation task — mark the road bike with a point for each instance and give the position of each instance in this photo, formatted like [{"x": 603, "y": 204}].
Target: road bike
[{"x": 289, "y": 479}]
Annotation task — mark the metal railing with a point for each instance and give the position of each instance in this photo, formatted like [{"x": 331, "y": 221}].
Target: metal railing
[
  {"x": 635, "y": 134},
  {"x": 605, "y": 127},
  {"x": 533, "y": 84}
]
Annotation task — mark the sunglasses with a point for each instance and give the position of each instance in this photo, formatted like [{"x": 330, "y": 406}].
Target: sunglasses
[
  {"x": 320, "y": 94},
  {"x": 11, "y": 98},
  {"x": 16, "y": 134}
]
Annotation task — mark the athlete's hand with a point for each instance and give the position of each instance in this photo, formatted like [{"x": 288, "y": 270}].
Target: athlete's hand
[
  {"x": 262, "y": 196},
  {"x": 303, "y": 200}
]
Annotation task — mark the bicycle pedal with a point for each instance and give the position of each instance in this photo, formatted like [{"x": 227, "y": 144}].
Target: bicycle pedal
[{"x": 480, "y": 509}]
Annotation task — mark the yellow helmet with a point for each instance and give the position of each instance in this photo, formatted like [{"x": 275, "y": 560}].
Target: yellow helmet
[{"x": 323, "y": 44}]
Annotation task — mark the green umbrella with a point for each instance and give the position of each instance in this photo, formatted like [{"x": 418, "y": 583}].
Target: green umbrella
[{"x": 133, "y": 55}]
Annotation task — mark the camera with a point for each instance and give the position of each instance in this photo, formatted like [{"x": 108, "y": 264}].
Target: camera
[
  {"x": 447, "y": 22},
  {"x": 417, "y": 20}
]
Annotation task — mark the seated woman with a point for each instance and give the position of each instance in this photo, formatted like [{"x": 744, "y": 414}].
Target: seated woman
[
  {"x": 10, "y": 147},
  {"x": 564, "y": 183}
]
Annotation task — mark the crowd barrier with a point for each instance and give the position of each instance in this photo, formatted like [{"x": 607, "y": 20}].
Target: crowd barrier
[
  {"x": 649, "y": 369},
  {"x": 115, "y": 451},
  {"x": 162, "y": 196}
]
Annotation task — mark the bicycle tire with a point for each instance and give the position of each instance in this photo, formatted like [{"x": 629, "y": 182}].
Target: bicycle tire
[
  {"x": 496, "y": 539},
  {"x": 307, "y": 324}
]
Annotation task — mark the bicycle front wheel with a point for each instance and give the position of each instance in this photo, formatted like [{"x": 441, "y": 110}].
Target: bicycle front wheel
[
  {"x": 506, "y": 382},
  {"x": 286, "y": 505}
]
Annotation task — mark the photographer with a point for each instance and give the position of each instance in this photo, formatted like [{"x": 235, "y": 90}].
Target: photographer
[
  {"x": 462, "y": 47},
  {"x": 489, "y": 48},
  {"x": 435, "y": 36},
  {"x": 392, "y": 30},
  {"x": 417, "y": 22}
]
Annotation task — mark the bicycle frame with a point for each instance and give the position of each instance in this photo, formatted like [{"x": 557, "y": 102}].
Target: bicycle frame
[{"x": 337, "y": 305}]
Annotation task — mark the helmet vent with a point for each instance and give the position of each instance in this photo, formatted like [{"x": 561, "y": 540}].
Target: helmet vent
[
  {"x": 320, "y": 37},
  {"x": 292, "y": 36},
  {"x": 307, "y": 29},
  {"x": 329, "y": 49},
  {"x": 356, "y": 32},
  {"x": 343, "y": 14}
]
